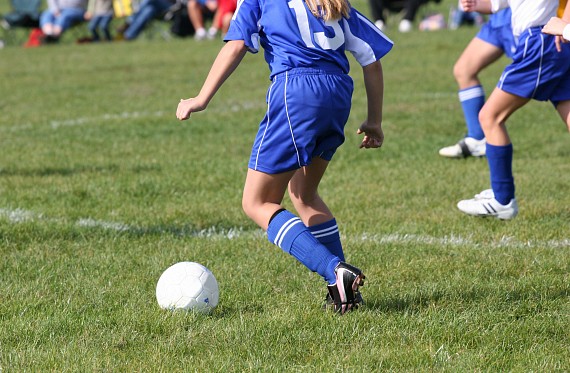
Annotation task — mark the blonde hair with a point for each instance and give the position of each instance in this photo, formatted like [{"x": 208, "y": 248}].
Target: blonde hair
[{"x": 329, "y": 9}]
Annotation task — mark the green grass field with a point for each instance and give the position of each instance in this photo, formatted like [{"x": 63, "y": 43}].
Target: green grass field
[{"x": 101, "y": 189}]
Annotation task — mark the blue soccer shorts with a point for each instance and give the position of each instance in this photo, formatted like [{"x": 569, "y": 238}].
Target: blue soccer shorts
[
  {"x": 499, "y": 36},
  {"x": 538, "y": 70},
  {"x": 307, "y": 110}
]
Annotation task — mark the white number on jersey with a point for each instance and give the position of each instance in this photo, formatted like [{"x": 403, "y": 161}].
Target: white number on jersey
[{"x": 323, "y": 41}]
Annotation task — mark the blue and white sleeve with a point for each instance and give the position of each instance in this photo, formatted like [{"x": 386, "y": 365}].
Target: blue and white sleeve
[
  {"x": 497, "y": 5},
  {"x": 245, "y": 24},
  {"x": 364, "y": 40}
]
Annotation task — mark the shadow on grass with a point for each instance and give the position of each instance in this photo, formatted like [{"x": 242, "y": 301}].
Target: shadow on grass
[
  {"x": 500, "y": 296},
  {"x": 71, "y": 171}
]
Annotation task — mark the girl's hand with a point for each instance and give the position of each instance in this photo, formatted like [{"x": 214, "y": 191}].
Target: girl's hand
[
  {"x": 187, "y": 107},
  {"x": 555, "y": 26},
  {"x": 373, "y": 135},
  {"x": 468, "y": 5}
]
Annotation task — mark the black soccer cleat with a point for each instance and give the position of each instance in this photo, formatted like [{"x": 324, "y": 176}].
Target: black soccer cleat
[
  {"x": 329, "y": 302},
  {"x": 344, "y": 293}
]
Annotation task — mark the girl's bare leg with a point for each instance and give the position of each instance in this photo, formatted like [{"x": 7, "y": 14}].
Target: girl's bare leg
[
  {"x": 303, "y": 191},
  {"x": 263, "y": 194},
  {"x": 563, "y": 109},
  {"x": 475, "y": 57},
  {"x": 495, "y": 113}
]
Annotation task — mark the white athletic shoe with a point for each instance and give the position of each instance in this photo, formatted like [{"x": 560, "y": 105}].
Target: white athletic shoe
[
  {"x": 212, "y": 32},
  {"x": 200, "y": 34},
  {"x": 405, "y": 26},
  {"x": 465, "y": 148},
  {"x": 380, "y": 24},
  {"x": 484, "y": 204},
  {"x": 486, "y": 194}
]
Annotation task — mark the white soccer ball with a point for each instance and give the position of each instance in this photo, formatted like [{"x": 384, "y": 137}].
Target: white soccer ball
[{"x": 187, "y": 286}]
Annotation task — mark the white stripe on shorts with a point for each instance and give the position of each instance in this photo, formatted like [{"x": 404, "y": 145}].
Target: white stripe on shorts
[
  {"x": 266, "y": 125},
  {"x": 288, "y": 118}
]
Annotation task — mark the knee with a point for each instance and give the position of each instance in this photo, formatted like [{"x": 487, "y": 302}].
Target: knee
[
  {"x": 248, "y": 206},
  {"x": 488, "y": 120},
  {"x": 461, "y": 73}
]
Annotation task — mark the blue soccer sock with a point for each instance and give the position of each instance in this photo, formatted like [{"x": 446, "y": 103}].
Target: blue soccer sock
[
  {"x": 289, "y": 233},
  {"x": 472, "y": 100},
  {"x": 500, "y": 159},
  {"x": 327, "y": 234}
]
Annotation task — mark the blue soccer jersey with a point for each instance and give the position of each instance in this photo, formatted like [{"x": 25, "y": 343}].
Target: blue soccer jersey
[{"x": 292, "y": 37}]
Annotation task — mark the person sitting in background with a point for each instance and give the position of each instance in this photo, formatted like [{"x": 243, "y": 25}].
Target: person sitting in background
[
  {"x": 61, "y": 15},
  {"x": 224, "y": 14},
  {"x": 411, "y": 8},
  {"x": 148, "y": 10},
  {"x": 198, "y": 10},
  {"x": 459, "y": 17},
  {"x": 100, "y": 13}
]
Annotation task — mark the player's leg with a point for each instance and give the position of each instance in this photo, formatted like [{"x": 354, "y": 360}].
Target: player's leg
[
  {"x": 303, "y": 192},
  {"x": 261, "y": 201},
  {"x": 476, "y": 56},
  {"x": 563, "y": 109},
  {"x": 494, "y": 114},
  {"x": 501, "y": 202},
  {"x": 263, "y": 194}
]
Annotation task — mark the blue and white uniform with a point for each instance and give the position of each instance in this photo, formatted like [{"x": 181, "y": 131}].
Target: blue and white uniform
[
  {"x": 538, "y": 70},
  {"x": 309, "y": 98},
  {"x": 498, "y": 32}
]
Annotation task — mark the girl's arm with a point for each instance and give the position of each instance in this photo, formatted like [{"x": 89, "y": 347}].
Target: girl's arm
[
  {"x": 224, "y": 65},
  {"x": 372, "y": 127}
]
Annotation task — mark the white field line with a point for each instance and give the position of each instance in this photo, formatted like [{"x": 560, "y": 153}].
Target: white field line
[
  {"x": 81, "y": 121},
  {"x": 55, "y": 124},
  {"x": 18, "y": 216}
]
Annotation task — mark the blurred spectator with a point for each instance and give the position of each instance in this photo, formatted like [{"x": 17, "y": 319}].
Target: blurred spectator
[
  {"x": 198, "y": 11},
  {"x": 60, "y": 16},
  {"x": 226, "y": 9},
  {"x": 147, "y": 11},
  {"x": 100, "y": 13},
  {"x": 410, "y": 7},
  {"x": 458, "y": 17}
]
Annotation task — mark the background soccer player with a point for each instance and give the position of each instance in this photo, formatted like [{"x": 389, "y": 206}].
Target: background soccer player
[
  {"x": 540, "y": 71},
  {"x": 493, "y": 40}
]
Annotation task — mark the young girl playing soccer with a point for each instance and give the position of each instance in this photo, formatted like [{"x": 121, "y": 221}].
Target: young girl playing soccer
[
  {"x": 308, "y": 104},
  {"x": 540, "y": 71}
]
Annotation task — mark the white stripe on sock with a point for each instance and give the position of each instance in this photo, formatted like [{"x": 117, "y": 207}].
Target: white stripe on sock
[
  {"x": 284, "y": 229},
  {"x": 334, "y": 227},
  {"x": 471, "y": 93},
  {"x": 325, "y": 233}
]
